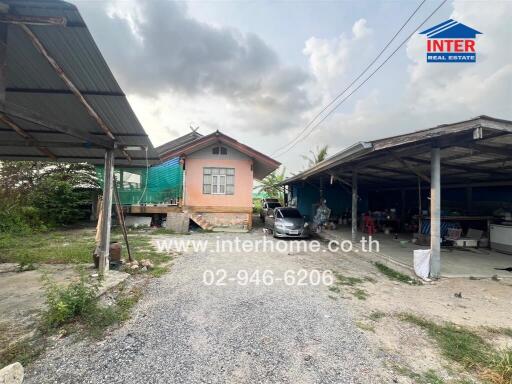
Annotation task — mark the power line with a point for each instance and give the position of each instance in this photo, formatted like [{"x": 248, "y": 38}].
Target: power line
[
  {"x": 354, "y": 81},
  {"x": 297, "y": 139}
]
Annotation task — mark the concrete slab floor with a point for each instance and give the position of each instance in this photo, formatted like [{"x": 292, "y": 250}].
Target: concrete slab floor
[
  {"x": 22, "y": 294},
  {"x": 455, "y": 262}
]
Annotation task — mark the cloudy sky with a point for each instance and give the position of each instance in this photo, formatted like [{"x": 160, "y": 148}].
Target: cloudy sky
[{"x": 260, "y": 70}]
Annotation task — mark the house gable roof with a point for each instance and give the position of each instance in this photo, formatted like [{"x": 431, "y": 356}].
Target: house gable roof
[
  {"x": 451, "y": 29},
  {"x": 176, "y": 143},
  {"x": 262, "y": 164}
]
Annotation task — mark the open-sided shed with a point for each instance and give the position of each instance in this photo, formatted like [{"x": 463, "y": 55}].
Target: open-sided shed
[
  {"x": 58, "y": 98},
  {"x": 472, "y": 153}
]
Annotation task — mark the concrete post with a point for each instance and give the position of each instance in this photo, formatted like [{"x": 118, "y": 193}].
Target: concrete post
[
  {"x": 354, "y": 206},
  {"x": 435, "y": 212},
  {"x": 108, "y": 181}
]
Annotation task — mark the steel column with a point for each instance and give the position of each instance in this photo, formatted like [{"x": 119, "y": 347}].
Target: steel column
[
  {"x": 435, "y": 212},
  {"x": 354, "y": 206}
]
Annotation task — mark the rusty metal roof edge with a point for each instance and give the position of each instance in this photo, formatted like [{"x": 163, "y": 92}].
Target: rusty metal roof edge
[
  {"x": 362, "y": 148},
  {"x": 355, "y": 150}
]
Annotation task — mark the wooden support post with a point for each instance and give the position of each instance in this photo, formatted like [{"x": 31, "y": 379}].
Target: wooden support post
[
  {"x": 435, "y": 213},
  {"x": 354, "y": 206},
  {"x": 106, "y": 216}
]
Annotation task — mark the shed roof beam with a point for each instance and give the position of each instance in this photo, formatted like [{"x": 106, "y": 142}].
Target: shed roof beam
[
  {"x": 63, "y": 91},
  {"x": 30, "y": 142},
  {"x": 483, "y": 148},
  {"x": 60, "y": 72},
  {"x": 32, "y": 20},
  {"x": 410, "y": 168},
  {"x": 18, "y": 112},
  {"x": 468, "y": 168},
  {"x": 29, "y": 139}
]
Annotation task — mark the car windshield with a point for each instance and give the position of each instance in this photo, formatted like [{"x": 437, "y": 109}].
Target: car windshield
[
  {"x": 291, "y": 213},
  {"x": 273, "y": 205}
]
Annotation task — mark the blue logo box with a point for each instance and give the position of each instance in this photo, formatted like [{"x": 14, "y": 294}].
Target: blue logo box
[{"x": 451, "y": 57}]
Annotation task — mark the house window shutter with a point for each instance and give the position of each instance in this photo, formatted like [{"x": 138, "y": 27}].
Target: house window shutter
[{"x": 207, "y": 181}]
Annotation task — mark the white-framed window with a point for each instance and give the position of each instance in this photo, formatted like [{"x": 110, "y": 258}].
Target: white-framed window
[{"x": 218, "y": 181}]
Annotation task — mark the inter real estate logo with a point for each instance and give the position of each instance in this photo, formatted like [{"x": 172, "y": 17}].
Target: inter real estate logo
[{"x": 451, "y": 42}]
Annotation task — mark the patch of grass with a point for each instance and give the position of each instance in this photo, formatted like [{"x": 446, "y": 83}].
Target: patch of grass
[
  {"x": 376, "y": 315},
  {"x": 98, "y": 321},
  {"x": 332, "y": 297},
  {"x": 57, "y": 247},
  {"x": 77, "y": 307},
  {"x": 365, "y": 327},
  {"x": 499, "y": 368},
  {"x": 70, "y": 247},
  {"x": 468, "y": 349},
  {"x": 428, "y": 377},
  {"x": 159, "y": 271},
  {"x": 67, "y": 303},
  {"x": 370, "y": 279},
  {"x": 456, "y": 343},
  {"x": 162, "y": 231},
  {"x": 24, "y": 351},
  {"x": 347, "y": 280},
  {"x": 500, "y": 331},
  {"x": 395, "y": 275},
  {"x": 360, "y": 294},
  {"x": 334, "y": 288}
]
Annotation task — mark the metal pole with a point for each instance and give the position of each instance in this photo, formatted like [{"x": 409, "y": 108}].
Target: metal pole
[
  {"x": 354, "y": 206},
  {"x": 107, "y": 211},
  {"x": 435, "y": 213},
  {"x": 3, "y": 61}
]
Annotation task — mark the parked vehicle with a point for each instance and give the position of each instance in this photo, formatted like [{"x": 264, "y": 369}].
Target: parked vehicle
[
  {"x": 267, "y": 207},
  {"x": 287, "y": 222}
]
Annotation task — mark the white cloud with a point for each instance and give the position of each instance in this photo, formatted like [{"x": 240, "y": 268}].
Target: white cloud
[
  {"x": 330, "y": 59},
  {"x": 433, "y": 93},
  {"x": 159, "y": 52}
]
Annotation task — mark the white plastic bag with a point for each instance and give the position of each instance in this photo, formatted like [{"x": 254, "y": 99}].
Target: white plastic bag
[{"x": 422, "y": 263}]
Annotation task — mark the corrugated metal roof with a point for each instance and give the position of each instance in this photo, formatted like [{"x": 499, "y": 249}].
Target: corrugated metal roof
[
  {"x": 34, "y": 86},
  {"x": 394, "y": 160}
]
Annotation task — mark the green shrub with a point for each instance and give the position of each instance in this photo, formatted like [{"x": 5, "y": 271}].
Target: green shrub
[
  {"x": 65, "y": 304},
  {"x": 20, "y": 219},
  {"x": 59, "y": 202}
]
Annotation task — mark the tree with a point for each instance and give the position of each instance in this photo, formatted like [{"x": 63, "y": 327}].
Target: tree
[
  {"x": 270, "y": 186},
  {"x": 35, "y": 194},
  {"x": 319, "y": 155}
]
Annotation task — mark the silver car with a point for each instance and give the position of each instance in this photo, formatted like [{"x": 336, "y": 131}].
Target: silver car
[{"x": 287, "y": 222}]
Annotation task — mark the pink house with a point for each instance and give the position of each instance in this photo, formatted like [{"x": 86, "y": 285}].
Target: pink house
[{"x": 218, "y": 174}]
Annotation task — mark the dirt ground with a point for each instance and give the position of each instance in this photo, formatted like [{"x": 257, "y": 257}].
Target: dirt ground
[
  {"x": 374, "y": 302},
  {"x": 478, "y": 304}
]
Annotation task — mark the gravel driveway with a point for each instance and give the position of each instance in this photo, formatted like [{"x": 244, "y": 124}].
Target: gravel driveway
[{"x": 183, "y": 331}]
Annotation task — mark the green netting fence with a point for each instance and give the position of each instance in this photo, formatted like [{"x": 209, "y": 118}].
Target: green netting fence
[{"x": 159, "y": 184}]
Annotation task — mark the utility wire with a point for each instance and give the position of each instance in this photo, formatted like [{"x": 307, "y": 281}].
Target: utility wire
[
  {"x": 354, "y": 81},
  {"x": 297, "y": 139}
]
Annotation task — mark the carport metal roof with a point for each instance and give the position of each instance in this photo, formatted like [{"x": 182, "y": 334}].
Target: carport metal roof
[
  {"x": 473, "y": 152},
  {"x": 61, "y": 100}
]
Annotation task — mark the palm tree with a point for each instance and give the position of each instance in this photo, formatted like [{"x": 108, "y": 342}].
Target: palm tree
[
  {"x": 316, "y": 157},
  {"x": 270, "y": 186}
]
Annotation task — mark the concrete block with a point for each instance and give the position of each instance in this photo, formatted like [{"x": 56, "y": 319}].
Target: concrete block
[
  {"x": 137, "y": 221},
  {"x": 177, "y": 222},
  {"x": 12, "y": 374}
]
